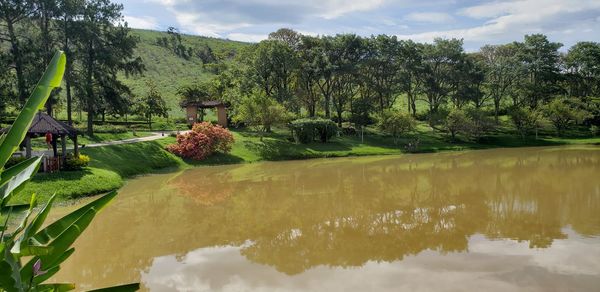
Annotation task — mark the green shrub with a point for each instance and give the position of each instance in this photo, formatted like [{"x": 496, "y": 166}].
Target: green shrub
[
  {"x": 595, "y": 130},
  {"x": 525, "y": 120},
  {"x": 563, "y": 114},
  {"x": 308, "y": 129},
  {"x": 76, "y": 162},
  {"x": 457, "y": 121},
  {"x": 396, "y": 123}
]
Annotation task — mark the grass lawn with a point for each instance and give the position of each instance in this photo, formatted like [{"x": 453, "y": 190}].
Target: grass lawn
[{"x": 70, "y": 184}]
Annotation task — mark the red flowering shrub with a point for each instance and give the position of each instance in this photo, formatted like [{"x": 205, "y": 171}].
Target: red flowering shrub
[{"x": 202, "y": 141}]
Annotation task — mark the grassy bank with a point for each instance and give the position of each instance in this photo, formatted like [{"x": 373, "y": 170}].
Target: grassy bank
[{"x": 110, "y": 165}]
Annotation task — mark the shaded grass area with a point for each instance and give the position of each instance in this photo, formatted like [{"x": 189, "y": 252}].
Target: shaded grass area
[
  {"x": 132, "y": 159},
  {"x": 69, "y": 184}
]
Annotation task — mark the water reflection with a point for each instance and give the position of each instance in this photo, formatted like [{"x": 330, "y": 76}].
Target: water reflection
[{"x": 361, "y": 214}]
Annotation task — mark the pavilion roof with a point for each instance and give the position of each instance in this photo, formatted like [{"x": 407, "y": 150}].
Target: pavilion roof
[
  {"x": 204, "y": 104},
  {"x": 43, "y": 123}
]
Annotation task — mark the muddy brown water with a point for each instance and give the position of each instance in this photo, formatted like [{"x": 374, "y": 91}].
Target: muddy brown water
[{"x": 494, "y": 220}]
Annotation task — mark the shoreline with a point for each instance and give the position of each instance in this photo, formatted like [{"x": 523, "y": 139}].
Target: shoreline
[{"x": 120, "y": 163}]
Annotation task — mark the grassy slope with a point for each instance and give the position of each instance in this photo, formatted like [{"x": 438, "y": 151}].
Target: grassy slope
[{"x": 167, "y": 70}]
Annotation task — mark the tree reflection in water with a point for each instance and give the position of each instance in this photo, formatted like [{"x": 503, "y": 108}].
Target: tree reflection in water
[{"x": 295, "y": 216}]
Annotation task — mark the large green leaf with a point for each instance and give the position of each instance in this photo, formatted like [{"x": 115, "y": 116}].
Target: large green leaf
[
  {"x": 13, "y": 178},
  {"x": 61, "y": 244},
  {"x": 55, "y": 229},
  {"x": 26, "y": 247},
  {"x": 10, "y": 278},
  {"x": 51, "y": 79},
  {"x": 59, "y": 287}
]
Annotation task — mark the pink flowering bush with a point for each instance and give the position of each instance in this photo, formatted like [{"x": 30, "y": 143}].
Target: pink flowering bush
[{"x": 202, "y": 141}]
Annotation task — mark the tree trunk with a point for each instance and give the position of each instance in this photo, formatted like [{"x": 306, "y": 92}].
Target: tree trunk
[
  {"x": 496, "y": 110},
  {"x": 16, "y": 51},
  {"x": 90, "y": 90}
]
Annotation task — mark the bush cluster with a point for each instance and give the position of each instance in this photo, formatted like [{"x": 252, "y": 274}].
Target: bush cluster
[
  {"x": 309, "y": 129},
  {"x": 202, "y": 141},
  {"x": 76, "y": 162},
  {"x": 472, "y": 123}
]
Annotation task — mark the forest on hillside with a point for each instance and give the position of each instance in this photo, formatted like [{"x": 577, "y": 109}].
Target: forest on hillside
[{"x": 351, "y": 79}]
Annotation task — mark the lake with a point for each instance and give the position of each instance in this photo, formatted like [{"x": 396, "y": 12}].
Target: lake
[{"x": 490, "y": 220}]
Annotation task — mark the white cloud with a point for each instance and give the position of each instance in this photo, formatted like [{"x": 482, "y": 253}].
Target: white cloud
[
  {"x": 144, "y": 22},
  {"x": 509, "y": 21},
  {"x": 430, "y": 17},
  {"x": 214, "y": 18}
]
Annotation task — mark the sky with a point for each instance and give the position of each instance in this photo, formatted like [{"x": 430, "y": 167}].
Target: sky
[{"x": 476, "y": 22}]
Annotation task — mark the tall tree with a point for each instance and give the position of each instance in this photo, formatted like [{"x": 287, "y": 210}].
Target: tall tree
[
  {"x": 350, "y": 50},
  {"x": 541, "y": 59},
  {"x": 383, "y": 64},
  {"x": 152, "y": 104},
  {"x": 12, "y": 12},
  {"x": 106, "y": 48},
  {"x": 411, "y": 62},
  {"x": 582, "y": 64},
  {"x": 502, "y": 72},
  {"x": 70, "y": 11},
  {"x": 45, "y": 12},
  {"x": 441, "y": 63},
  {"x": 308, "y": 75}
]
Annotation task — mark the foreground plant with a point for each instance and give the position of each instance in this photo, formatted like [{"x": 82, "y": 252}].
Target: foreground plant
[{"x": 30, "y": 254}]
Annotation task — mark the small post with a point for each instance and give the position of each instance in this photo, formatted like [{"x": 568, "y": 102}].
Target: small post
[
  {"x": 28, "y": 146},
  {"x": 63, "y": 140},
  {"x": 54, "y": 145},
  {"x": 362, "y": 134},
  {"x": 76, "y": 146}
]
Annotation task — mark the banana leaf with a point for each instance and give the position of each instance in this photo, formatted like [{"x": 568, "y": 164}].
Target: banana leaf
[{"x": 51, "y": 79}]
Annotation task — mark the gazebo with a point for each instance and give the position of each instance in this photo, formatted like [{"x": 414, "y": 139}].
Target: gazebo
[
  {"x": 191, "y": 109},
  {"x": 42, "y": 124}
]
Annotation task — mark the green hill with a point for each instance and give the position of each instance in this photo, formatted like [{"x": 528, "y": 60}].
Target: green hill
[{"x": 170, "y": 71}]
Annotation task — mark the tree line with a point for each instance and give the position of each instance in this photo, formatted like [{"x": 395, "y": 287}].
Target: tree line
[
  {"x": 95, "y": 39},
  {"x": 351, "y": 78}
]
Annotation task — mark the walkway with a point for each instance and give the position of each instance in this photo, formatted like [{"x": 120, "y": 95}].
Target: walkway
[{"x": 154, "y": 136}]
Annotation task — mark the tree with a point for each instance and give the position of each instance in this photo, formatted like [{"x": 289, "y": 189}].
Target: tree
[
  {"x": 582, "y": 63},
  {"x": 287, "y": 36},
  {"x": 350, "y": 51},
  {"x": 441, "y": 62},
  {"x": 152, "y": 104},
  {"x": 12, "y": 12},
  {"x": 541, "y": 60},
  {"x": 69, "y": 11},
  {"x": 106, "y": 49},
  {"x": 195, "y": 93},
  {"x": 457, "y": 121},
  {"x": 308, "y": 75},
  {"x": 272, "y": 68},
  {"x": 396, "y": 123},
  {"x": 382, "y": 69},
  {"x": 502, "y": 71},
  {"x": 526, "y": 120},
  {"x": 562, "y": 114},
  {"x": 411, "y": 58},
  {"x": 259, "y": 110}
]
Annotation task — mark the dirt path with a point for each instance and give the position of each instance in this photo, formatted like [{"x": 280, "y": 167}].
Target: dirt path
[{"x": 154, "y": 136}]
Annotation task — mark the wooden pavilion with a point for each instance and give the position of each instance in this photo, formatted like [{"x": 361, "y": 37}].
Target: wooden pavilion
[
  {"x": 44, "y": 123},
  {"x": 191, "y": 109}
]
